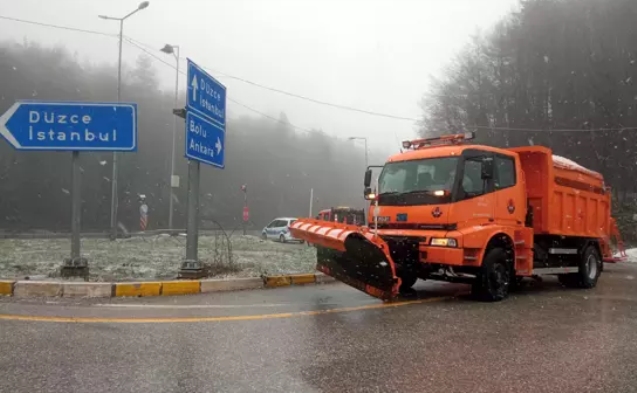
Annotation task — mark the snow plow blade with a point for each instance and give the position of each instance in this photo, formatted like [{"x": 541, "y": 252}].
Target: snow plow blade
[{"x": 352, "y": 255}]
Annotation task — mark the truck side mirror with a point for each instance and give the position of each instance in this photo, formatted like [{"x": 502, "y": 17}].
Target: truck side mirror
[
  {"x": 367, "y": 193},
  {"x": 487, "y": 169},
  {"x": 368, "y": 178}
]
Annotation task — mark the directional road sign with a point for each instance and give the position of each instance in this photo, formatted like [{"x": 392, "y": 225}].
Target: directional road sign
[
  {"x": 206, "y": 95},
  {"x": 76, "y": 126},
  {"x": 205, "y": 140}
]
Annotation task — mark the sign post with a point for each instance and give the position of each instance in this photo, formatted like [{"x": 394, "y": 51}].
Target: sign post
[
  {"x": 75, "y": 127},
  {"x": 76, "y": 208},
  {"x": 246, "y": 210},
  {"x": 192, "y": 263},
  {"x": 205, "y": 143}
]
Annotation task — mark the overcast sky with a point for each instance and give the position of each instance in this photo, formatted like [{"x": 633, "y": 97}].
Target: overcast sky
[{"x": 375, "y": 55}]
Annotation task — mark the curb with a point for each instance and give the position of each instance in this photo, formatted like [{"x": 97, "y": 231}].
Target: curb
[{"x": 30, "y": 289}]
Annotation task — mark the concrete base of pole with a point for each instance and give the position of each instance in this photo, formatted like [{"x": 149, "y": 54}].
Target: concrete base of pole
[
  {"x": 191, "y": 269},
  {"x": 75, "y": 267}
]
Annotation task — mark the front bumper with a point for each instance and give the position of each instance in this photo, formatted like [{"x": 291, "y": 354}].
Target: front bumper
[
  {"x": 448, "y": 256},
  {"x": 428, "y": 254}
]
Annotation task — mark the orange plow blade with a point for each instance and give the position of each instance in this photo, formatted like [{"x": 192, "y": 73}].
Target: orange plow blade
[{"x": 351, "y": 254}]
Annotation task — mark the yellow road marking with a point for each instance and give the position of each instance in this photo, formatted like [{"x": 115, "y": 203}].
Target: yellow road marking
[{"x": 33, "y": 318}]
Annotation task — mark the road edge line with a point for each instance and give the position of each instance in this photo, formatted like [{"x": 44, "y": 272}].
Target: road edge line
[
  {"x": 44, "y": 289},
  {"x": 235, "y": 318}
]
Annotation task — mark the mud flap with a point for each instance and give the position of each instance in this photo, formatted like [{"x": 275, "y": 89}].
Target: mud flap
[{"x": 351, "y": 254}]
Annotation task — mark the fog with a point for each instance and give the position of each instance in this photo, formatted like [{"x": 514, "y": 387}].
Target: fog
[
  {"x": 373, "y": 55},
  {"x": 303, "y": 77}
]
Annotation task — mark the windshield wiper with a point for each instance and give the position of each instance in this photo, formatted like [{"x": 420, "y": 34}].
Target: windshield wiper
[
  {"x": 430, "y": 192},
  {"x": 389, "y": 193},
  {"x": 412, "y": 192},
  {"x": 416, "y": 192}
]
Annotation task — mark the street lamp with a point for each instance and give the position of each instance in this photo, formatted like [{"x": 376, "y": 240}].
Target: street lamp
[
  {"x": 174, "y": 50},
  {"x": 140, "y": 7}
]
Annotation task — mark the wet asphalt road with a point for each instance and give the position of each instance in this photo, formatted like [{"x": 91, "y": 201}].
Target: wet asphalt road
[{"x": 328, "y": 339}]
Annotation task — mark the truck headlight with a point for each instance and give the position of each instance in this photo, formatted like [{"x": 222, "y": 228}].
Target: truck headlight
[{"x": 443, "y": 242}]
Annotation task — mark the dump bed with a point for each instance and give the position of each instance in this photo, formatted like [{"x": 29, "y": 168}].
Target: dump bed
[{"x": 567, "y": 199}]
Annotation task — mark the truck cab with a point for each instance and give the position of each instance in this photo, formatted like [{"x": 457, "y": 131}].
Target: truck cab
[{"x": 434, "y": 202}]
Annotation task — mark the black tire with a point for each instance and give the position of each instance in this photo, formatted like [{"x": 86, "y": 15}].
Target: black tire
[
  {"x": 264, "y": 236},
  {"x": 590, "y": 268},
  {"x": 407, "y": 281},
  {"x": 494, "y": 278},
  {"x": 282, "y": 238},
  {"x": 516, "y": 284}
]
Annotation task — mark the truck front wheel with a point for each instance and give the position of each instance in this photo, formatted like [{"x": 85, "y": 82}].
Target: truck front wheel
[
  {"x": 494, "y": 279},
  {"x": 407, "y": 282}
]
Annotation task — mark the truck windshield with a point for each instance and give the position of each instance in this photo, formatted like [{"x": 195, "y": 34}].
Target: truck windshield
[{"x": 415, "y": 181}]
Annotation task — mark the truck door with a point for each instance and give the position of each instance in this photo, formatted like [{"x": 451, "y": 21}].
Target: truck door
[
  {"x": 475, "y": 200},
  {"x": 509, "y": 208}
]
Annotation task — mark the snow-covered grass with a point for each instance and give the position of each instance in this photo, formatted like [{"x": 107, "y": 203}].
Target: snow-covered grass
[{"x": 156, "y": 257}]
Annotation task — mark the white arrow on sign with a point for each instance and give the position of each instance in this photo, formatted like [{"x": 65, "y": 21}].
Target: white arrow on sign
[
  {"x": 218, "y": 146},
  {"x": 4, "y": 131},
  {"x": 195, "y": 86}
]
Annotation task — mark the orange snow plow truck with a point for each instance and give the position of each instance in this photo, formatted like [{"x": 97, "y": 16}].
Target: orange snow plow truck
[{"x": 447, "y": 210}]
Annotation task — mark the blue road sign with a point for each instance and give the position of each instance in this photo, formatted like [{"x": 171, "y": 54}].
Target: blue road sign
[
  {"x": 205, "y": 140},
  {"x": 206, "y": 95},
  {"x": 67, "y": 126}
]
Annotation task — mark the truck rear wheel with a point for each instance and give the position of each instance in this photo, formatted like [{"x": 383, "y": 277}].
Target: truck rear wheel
[
  {"x": 590, "y": 268},
  {"x": 494, "y": 279}
]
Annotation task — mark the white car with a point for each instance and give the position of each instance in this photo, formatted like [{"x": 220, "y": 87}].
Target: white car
[{"x": 278, "y": 229}]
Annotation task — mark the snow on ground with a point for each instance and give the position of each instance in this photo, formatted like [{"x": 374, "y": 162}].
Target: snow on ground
[
  {"x": 156, "y": 257},
  {"x": 632, "y": 255}
]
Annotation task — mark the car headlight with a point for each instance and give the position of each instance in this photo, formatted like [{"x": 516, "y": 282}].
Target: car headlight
[{"x": 443, "y": 242}]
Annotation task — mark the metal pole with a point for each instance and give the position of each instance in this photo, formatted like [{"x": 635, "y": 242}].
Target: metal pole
[
  {"x": 172, "y": 155},
  {"x": 366, "y": 161},
  {"x": 193, "y": 213},
  {"x": 114, "y": 201},
  {"x": 76, "y": 206},
  {"x": 376, "y": 211},
  {"x": 75, "y": 265},
  {"x": 366, "y": 166},
  {"x": 245, "y": 205},
  {"x": 311, "y": 201}
]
